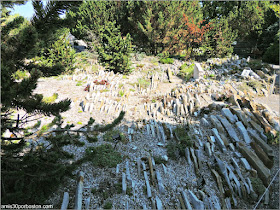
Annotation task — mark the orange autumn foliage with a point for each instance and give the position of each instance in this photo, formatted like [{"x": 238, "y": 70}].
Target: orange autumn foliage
[{"x": 187, "y": 37}]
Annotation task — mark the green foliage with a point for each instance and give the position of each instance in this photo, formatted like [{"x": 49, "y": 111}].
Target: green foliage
[
  {"x": 271, "y": 55},
  {"x": 60, "y": 56},
  {"x": 159, "y": 160},
  {"x": 174, "y": 150},
  {"x": 79, "y": 83},
  {"x": 143, "y": 83},
  {"x": 166, "y": 60},
  {"x": 103, "y": 156},
  {"x": 90, "y": 17},
  {"x": 186, "y": 71},
  {"x": 121, "y": 93},
  {"x": 18, "y": 75},
  {"x": 108, "y": 205},
  {"x": 271, "y": 139},
  {"x": 258, "y": 186},
  {"x": 159, "y": 21},
  {"x": 113, "y": 49},
  {"x": 108, "y": 136},
  {"x": 50, "y": 99}
]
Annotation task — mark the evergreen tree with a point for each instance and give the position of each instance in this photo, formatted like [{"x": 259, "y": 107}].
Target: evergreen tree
[
  {"x": 113, "y": 49},
  {"x": 32, "y": 170}
]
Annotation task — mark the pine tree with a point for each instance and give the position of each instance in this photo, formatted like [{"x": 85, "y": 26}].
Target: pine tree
[
  {"x": 113, "y": 49},
  {"x": 31, "y": 170}
]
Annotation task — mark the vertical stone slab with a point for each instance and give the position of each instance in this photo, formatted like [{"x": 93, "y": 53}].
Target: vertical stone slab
[
  {"x": 253, "y": 159},
  {"x": 79, "y": 191},
  {"x": 198, "y": 71},
  {"x": 243, "y": 132},
  {"x": 123, "y": 183},
  {"x": 65, "y": 201}
]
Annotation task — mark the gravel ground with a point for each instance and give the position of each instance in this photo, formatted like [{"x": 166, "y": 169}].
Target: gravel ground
[{"x": 179, "y": 174}]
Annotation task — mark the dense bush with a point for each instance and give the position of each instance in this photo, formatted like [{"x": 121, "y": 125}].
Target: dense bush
[
  {"x": 271, "y": 55},
  {"x": 60, "y": 57},
  {"x": 186, "y": 72},
  {"x": 113, "y": 49},
  {"x": 166, "y": 60}
]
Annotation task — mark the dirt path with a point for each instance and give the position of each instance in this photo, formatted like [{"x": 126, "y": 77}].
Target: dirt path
[{"x": 272, "y": 101}]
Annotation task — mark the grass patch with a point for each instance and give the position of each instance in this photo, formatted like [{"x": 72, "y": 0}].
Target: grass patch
[
  {"x": 50, "y": 99},
  {"x": 255, "y": 84},
  {"x": 186, "y": 71},
  {"x": 79, "y": 83},
  {"x": 103, "y": 156},
  {"x": 121, "y": 93},
  {"x": 166, "y": 60},
  {"x": 124, "y": 77},
  {"x": 105, "y": 90},
  {"x": 132, "y": 90},
  {"x": 244, "y": 87},
  {"x": 79, "y": 123}
]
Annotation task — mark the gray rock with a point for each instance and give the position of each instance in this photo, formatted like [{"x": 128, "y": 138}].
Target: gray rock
[
  {"x": 243, "y": 132},
  {"x": 266, "y": 148},
  {"x": 241, "y": 116},
  {"x": 252, "y": 158},
  {"x": 198, "y": 155},
  {"x": 187, "y": 154},
  {"x": 160, "y": 185},
  {"x": 245, "y": 164},
  {"x": 223, "y": 170},
  {"x": 186, "y": 201},
  {"x": 139, "y": 166},
  {"x": 198, "y": 71},
  {"x": 197, "y": 204},
  {"x": 227, "y": 113},
  {"x": 149, "y": 192},
  {"x": 208, "y": 149},
  {"x": 128, "y": 173},
  {"x": 219, "y": 140},
  {"x": 231, "y": 146},
  {"x": 204, "y": 122},
  {"x": 159, "y": 203},
  {"x": 217, "y": 123},
  {"x": 231, "y": 132},
  {"x": 123, "y": 183}
]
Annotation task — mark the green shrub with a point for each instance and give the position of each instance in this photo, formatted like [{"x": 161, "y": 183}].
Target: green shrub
[
  {"x": 103, "y": 156},
  {"x": 113, "y": 49},
  {"x": 121, "y": 93},
  {"x": 258, "y": 186},
  {"x": 166, "y": 60},
  {"x": 186, "y": 72},
  {"x": 108, "y": 136},
  {"x": 79, "y": 83},
  {"x": 20, "y": 74},
  {"x": 60, "y": 57},
  {"x": 50, "y": 99},
  {"x": 108, "y": 205},
  {"x": 159, "y": 160},
  {"x": 271, "y": 55},
  {"x": 179, "y": 147}
]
